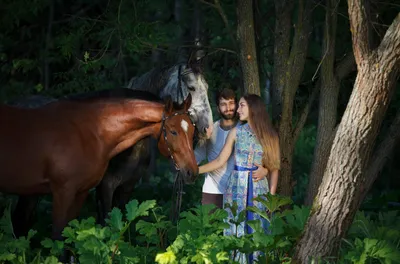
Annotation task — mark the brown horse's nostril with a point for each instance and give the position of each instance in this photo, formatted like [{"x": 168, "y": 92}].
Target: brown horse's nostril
[{"x": 188, "y": 177}]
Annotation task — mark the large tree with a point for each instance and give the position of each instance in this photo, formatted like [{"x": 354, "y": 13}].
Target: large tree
[
  {"x": 341, "y": 189},
  {"x": 329, "y": 85},
  {"x": 289, "y": 60},
  {"x": 247, "y": 51}
]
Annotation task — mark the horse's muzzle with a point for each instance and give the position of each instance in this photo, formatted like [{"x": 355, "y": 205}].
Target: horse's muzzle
[
  {"x": 205, "y": 127},
  {"x": 189, "y": 176}
]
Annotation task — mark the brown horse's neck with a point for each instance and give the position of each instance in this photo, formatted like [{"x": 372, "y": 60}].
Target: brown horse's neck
[
  {"x": 132, "y": 137},
  {"x": 123, "y": 124}
]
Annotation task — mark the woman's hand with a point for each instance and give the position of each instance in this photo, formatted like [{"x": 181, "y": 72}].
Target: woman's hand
[{"x": 260, "y": 173}]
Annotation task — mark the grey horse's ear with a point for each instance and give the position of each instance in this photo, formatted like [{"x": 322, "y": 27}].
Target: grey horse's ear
[{"x": 194, "y": 63}]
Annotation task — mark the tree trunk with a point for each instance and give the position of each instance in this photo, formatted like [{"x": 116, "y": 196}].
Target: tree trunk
[
  {"x": 283, "y": 21},
  {"x": 247, "y": 54},
  {"x": 340, "y": 192},
  {"x": 288, "y": 69},
  {"x": 328, "y": 99}
]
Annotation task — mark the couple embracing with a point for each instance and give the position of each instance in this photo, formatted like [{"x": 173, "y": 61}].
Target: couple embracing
[{"x": 243, "y": 158}]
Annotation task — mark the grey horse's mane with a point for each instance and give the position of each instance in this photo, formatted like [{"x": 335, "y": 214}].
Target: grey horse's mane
[
  {"x": 33, "y": 101},
  {"x": 164, "y": 81}
]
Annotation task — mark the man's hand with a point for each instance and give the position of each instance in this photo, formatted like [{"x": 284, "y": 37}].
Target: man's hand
[{"x": 260, "y": 173}]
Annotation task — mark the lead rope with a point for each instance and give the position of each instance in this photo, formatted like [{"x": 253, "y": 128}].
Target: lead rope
[{"x": 176, "y": 198}]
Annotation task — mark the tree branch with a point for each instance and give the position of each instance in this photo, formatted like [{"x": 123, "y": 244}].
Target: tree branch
[
  {"x": 391, "y": 41},
  {"x": 221, "y": 12},
  {"x": 359, "y": 30},
  {"x": 225, "y": 19},
  {"x": 305, "y": 112},
  {"x": 298, "y": 52},
  {"x": 207, "y": 3}
]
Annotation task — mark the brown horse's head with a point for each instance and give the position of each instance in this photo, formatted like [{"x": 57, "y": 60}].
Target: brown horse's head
[{"x": 176, "y": 139}]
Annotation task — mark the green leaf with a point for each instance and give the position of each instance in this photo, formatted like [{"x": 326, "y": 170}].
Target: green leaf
[
  {"x": 51, "y": 260},
  {"x": 298, "y": 217},
  {"x": 133, "y": 211},
  {"x": 47, "y": 243},
  {"x": 116, "y": 219},
  {"x": 166, "y": 258},
  {"x": 273, "y": 202},
  {"x": 7, "y": 256},
  {"x": 85, "y": 234}
]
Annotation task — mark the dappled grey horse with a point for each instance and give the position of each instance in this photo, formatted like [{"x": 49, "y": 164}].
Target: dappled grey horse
[{"x": 127, "y": 168}]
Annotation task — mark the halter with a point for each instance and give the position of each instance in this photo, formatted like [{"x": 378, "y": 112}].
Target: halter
[{"x": 163, "y": 131}]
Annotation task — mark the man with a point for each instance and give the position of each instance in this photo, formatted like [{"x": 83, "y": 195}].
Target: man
[{"x": 215, "y": 181}]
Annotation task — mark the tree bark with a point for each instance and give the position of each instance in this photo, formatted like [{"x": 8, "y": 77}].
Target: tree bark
[
  {"x": 340, "y": 192},
  {"x": 248, "y": 53},
  {"x": 328, "y": 100},
  {"x": 288, "y": 69},
  {"x": 283, "y": 21}
]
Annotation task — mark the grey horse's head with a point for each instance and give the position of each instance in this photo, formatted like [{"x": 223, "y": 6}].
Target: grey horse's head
[{"x": 177, "y": 82}]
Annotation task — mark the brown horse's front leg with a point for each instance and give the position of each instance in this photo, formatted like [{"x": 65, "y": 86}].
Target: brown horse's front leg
[
  {"x": 66, "y": 207},
  {"x": 76, "y": 207},
  {"x": 63, "y": 200}
]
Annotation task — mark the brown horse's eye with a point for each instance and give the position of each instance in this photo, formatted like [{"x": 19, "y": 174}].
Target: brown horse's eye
[{"x": 173, "y": 132}]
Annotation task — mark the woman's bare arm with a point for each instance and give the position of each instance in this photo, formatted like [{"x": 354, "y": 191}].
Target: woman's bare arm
[
  {"x": 223, "y": 155},
  {"x": 273, "y": 182}
]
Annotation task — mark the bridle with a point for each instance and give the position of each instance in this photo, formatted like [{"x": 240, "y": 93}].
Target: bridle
[
  {"x": 178, "y": 183},
  {"x": 163, "y": 131}
]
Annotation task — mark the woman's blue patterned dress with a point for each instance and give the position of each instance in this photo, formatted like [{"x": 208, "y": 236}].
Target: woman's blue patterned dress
[{"x": 241, "y": 188}]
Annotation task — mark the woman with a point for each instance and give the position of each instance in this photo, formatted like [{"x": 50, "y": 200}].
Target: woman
[{"x": 255, "y": 142}]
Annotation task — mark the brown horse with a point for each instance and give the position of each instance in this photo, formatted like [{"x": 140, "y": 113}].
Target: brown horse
[{"x": 64, "y": 147}]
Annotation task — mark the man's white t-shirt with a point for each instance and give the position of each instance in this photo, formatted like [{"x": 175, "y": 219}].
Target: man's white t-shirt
[{"x": 215, "y": 181}]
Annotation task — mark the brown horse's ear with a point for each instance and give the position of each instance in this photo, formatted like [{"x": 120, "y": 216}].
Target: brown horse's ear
[
  {"x": 169, "y": 105},
  {"x": 187, "y": 103}
]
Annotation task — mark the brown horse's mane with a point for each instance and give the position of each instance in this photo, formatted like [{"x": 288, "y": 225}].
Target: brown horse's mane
[{"x": 116, "y": 93}]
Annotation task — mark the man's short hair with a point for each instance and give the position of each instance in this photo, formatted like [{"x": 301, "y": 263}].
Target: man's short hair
[{"x": 225, "y": 93}]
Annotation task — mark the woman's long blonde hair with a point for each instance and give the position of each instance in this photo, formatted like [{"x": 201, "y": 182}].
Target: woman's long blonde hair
[{"x": 265, "y": 131}]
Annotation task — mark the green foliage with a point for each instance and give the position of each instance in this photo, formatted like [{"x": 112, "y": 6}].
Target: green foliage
[
  {"x": 198, "y": 236},
  {"x": 373, "y": 239},
  {"x": 302, "y": 160},
  {"x": 17, "y": 250}
]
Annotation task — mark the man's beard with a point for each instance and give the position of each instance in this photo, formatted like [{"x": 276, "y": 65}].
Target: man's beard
[{"x": 228, "y": 116}]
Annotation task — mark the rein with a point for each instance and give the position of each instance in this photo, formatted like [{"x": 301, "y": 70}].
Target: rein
[{"x": 176, "y": 200}]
